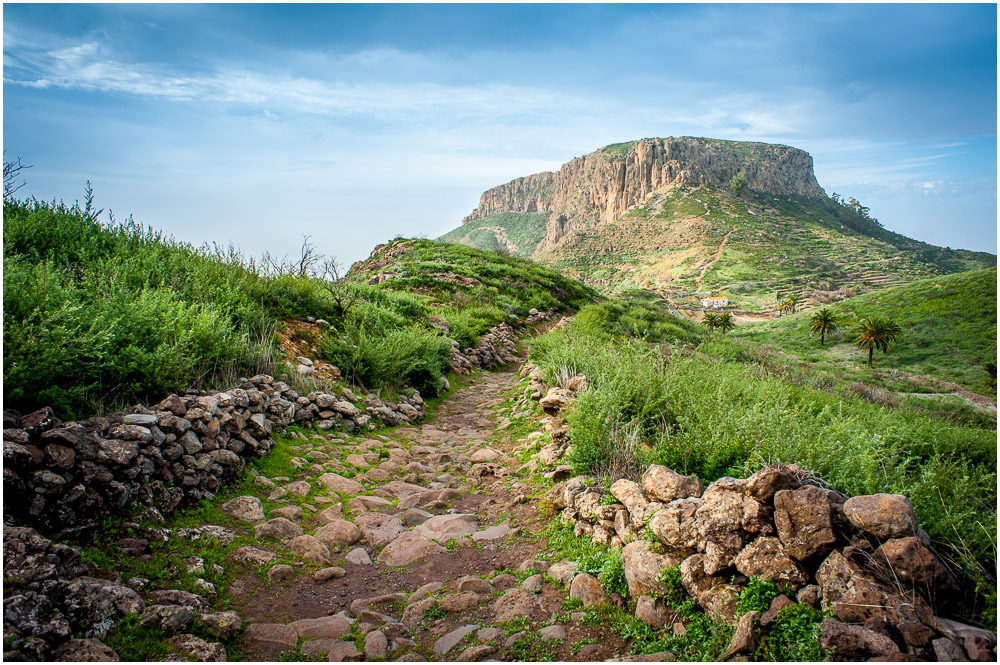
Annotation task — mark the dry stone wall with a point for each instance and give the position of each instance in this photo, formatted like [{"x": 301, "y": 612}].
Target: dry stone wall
[
  {"x": 61, "y": 477},
  {"x": 864, "y": 559}
]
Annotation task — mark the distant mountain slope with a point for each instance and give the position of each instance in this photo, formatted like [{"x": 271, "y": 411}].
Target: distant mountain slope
[
  {"x": 949, "y": 329},
  {"x": 692, "y": 216}
]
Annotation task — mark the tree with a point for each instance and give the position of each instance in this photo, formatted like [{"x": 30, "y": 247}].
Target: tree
[
  {"x": 792, "y": 302},
  {"x": 726, "y": 322},
  {"x": 823, "y": 322},
  {"x": 710, "y": 320},
  {"x": 739, "y": 183},
  {"x": 11, "y": 175},
  {"x": 338, "y": 286},
  {"x": 874, "y": 332}
]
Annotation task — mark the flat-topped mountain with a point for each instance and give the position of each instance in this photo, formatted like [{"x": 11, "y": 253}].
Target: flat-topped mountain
[{"x": 696, "y": 216}]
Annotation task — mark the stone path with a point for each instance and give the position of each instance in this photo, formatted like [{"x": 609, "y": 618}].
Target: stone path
[{"x": 429, "y": 552}]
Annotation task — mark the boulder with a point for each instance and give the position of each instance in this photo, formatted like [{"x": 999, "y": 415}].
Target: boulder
[
  {"x": 84, "y": 651},
  {"x": 474, "y": 584},
  {"x": 555, "y": 400},
  {"x": 563, "y": 572},
  {"x": 272, "y": 636},
  {"x": 338, "y": 533},
  {"x": 588, "y": 589},
  {"x": 98, "y": 604},
  {"x": 379, "y": 530},
  {"x": 770, "y": 480},
  {"x": 376, "y": 645},
  {"x": 515, "y": 604},
  {"x": 676, "y": 527},
  {"x": 849, "y": 590},
  {"x": 29, "y": 614},
  {"x": 407, "y": 548},
  {"x": 651, "y": 611},
  {"x": 244, "y": 508},
  {"x": 664, "y": 484},
  {"x": 337, "y": 483},
  {"x": 713, "y": 594},
  {"x": 766, "y": 558},
  {"x": 913, "y": 563},
  {"x": 222, "y": 625},
  {"x": 630, "y": 494},
  {"x": 720, "y": 518},
  {"x": 328, "y": 627},
  {"x": 310, "y": 549},
  {"x": 643, "y": 568},
  {"x": 278, "y": 528},
  {"x": 171, "y": 619},
  {"x": 854, "y": 642},
  {"x": 449, "y": 640},
  {"x": 882, "y": 515},
  {"x": 804, "y": 521},
  {"x": 443, "y": 528},
  {"x": 745, "y": 638}
]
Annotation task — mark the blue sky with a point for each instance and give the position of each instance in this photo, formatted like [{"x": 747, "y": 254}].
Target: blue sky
[{"x": 354, "y": 123}]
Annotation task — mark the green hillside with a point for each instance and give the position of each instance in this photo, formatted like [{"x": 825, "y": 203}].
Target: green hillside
[
  {"x": 516, "y": 232},
  {"x": 100, "y": 315},
  {"x": 949, "y": 329}
]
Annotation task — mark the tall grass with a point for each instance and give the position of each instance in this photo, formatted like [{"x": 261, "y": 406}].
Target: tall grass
[{"x": 712, "y": 417}]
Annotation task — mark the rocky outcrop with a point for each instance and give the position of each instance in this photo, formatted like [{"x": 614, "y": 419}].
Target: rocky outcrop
[{"x": 604, "y": 185}]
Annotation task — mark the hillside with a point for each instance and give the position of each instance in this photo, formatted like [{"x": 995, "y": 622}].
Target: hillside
[
  {"x": 949, "y": 330},
  {"x": 688, "y": 217}
]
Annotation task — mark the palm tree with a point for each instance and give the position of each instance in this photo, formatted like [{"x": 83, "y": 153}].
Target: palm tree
[
  {"x": 823, "y": 322},
  {"x": 875, "y": 332},
  {"x": 726, "y": 322},
  {"x": 710, "y": 320},
  {"x": 792, "y": 302}
]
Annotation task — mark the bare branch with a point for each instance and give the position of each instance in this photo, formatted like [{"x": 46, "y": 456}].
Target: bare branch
[{"x": 11, "y": 175}]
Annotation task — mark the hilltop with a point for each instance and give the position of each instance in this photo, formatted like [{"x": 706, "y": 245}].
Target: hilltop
[{"x": 687, "y": 217}]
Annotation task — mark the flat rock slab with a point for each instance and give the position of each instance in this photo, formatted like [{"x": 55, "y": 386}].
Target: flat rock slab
[
  {"x": 337, "y": 483},
  {"x": 408, "y": 548},
  {"x": 358, "y": 557},
  {"x": 244, "y": 508},
  {"x": 336, "y": 650},
  {"x": 399, "y": 489},
  {"x": 379, "y": 530},
  {"x": 443, "y": 528},
  {"x": 365, "y": 503},
  {"x": 253, "y": 555},
  {"x": 273, "y": 635},
  {"x": 493, "y": 532},
  {"x": 447, "y": 642},
  {"x": 330, "y": 627}
]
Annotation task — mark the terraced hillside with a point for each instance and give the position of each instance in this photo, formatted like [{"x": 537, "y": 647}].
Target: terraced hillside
[{"x": 671, "y": 215}]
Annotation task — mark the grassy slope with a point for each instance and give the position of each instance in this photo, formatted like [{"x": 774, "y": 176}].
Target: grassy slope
[
  {"x": 99, "y": 316},
  {"x": 949, "y": 329},
  {"x": 523, "y": 230}
]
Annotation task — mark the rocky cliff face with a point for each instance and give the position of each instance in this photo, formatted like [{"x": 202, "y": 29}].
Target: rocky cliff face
[{"x": 603, "y": 185}]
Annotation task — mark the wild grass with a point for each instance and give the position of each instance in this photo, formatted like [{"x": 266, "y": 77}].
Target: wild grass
[{"x": 716, "y": 416}]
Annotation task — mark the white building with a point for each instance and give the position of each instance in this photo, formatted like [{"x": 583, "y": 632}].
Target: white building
[{"x": 714, "y": 302}]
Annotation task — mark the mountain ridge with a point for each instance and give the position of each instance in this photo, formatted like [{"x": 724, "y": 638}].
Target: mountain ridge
[{"x": 653, "y": 214}]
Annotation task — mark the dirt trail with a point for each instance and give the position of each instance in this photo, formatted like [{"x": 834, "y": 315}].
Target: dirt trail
[{"x": 442, "y": 475}]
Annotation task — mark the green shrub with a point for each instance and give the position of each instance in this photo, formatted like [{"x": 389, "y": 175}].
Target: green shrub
[
  {"x": 794, "y": 636},
  {"x": 757, "y": 596}
]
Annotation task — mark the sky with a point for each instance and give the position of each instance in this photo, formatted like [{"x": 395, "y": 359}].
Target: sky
[{"x": 258, "y": 124}]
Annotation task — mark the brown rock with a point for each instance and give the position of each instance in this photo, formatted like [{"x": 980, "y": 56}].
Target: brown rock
[
  {"x": 514, "y": 604},
  {"x": 854, "y": 642},
  {"x": 764, "y": 484},
  {"x": 804, "y": 521},
  {"x": 715, "y": 596},
  {"x": 407, "y": 548},
  {"x": 272, "y": 635},
  {"x": 848, "y": 590},
  {"x": 460, "y": 602},
  {"x": 745, "y": 638},
  {"x": 652, "y": 612},
  {"x": 778, "y": 604},
  {"x": 948, "y": 650},
  {"x": 676, "y": 527},
  {"x": 245, "y": 508},
  {"x": 915, "y": 634},
  {"x": 555, "y": 400},
  {"x": 339, "y": 533},
  {"x": 980, "y": 649},
  {"x": 379, "y": 530},
  {"x": 663, "y": 484},
  {"x": 765, "y": 557},
  {"x": 327, "y": 574},
  {"x": 278, "y": 528},
  {"x": 882, "y": 515},
  {"x": 911, "y": 562},
  {"x": 720, "y": 516},
  {"x": 329, "y": 627},
  {"x": 310, "y": 549},
  {"x": 643, "y": 568},
  {"x": 336, "y": 483},
  {"x": 588, "y": 590}
]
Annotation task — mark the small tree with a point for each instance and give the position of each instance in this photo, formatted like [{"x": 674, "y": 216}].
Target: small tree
[
  {"x": 711, "y": 321},
  {"x": 726, "y": 322},
  {"x": 823, "y": 322},
  {"x": 739, "y": 183},
  {"x": 874, "y": 332},
  {"x": 337, "y": 285}
]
